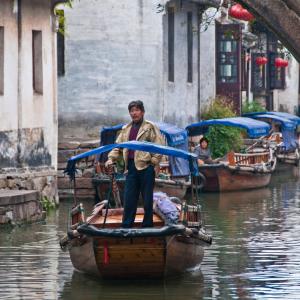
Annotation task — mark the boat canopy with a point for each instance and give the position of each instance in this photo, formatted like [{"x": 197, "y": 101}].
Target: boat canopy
[
  {"x": 135, "y": 145},
  {"x": 288, "y": 127},
  {"x": 284, "y": 122},
  {"x": 253, "y": 127},
  {"x": 175, "y": 137},
  {"x": 285, "y": 115}
]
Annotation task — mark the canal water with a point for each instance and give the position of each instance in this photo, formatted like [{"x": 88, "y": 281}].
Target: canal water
[{"x": 255, "y": 254}]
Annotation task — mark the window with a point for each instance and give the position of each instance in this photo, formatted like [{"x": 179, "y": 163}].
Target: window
[
  {"x": 61, "y": 43},
  {"x": 37, "y": 61},
  {"x": 189, "y": 47},
  {"x": 227, "y": 58},
  {"x": 171, "y": 25},
  {"x": 1, "y": 60}
]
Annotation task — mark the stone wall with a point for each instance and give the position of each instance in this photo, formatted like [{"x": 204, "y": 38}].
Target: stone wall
[
  {"x": 85, "y": 171},
  {"x": 42, "y": 179},
  {"x": 17, "y": 207}
]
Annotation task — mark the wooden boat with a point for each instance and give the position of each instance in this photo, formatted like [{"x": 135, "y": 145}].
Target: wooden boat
[
  {"x": 173, "y": 177},
  {"x": 285, "y": 135},
  {"x": 99, "y": 246},
  {"x": 239, "y": 171}
]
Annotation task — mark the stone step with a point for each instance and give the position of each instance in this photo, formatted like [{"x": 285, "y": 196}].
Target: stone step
[{"x": 20, "y": 206}]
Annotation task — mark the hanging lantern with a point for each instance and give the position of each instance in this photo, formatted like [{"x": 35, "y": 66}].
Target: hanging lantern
[
  {"x": 246, "y": 15},
  {"x": 280, "y": 63},
  {"x": 261, "y": 61},
  {"x": 235, "y": 11},
  {"x": 238, "y": 12}
]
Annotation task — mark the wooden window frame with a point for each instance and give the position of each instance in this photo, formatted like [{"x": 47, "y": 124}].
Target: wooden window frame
[
  {"x": 190, "y": 47},
  {"x": 171, "y": 44},
  {"x": 37, "y": 61}
]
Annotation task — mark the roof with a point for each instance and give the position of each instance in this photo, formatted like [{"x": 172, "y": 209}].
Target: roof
[
  {"x": 175, "y": 136},
  {"x": 253, "y": 127},
  {"x": 284, "y": 122}
]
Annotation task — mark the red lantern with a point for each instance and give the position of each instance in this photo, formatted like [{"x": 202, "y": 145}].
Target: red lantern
[
  {"x": 238, "y": 12},
  {"x": 246, "y": 15},
  {"x": 281, "y": 63},
  {"x": 261, "y": 60},
  {"x": 235, "y": 11}
]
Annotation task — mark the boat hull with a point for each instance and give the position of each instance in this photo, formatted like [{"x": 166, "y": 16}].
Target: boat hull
[
  {"x": 223, "y": 179},
  {"x": 138, "y": 257}
]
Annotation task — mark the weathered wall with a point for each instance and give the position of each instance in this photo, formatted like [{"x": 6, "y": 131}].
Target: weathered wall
[
  {"x": 113, "y": 55},
  {"x": 116, "y": 51},
  {"x": 208, "y": 62},
  {"x": 287, "y": 100},
  {"x": 28, "y": 120},
  {"x": 180, "y": 96}
]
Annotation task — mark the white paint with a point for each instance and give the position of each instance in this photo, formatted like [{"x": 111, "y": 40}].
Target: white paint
[
  {"x": 34, "y": 110},
  {"x": 116, "y": 51}
]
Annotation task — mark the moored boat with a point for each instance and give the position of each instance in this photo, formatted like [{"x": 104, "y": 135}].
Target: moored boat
[
  {"x": 99, "y": 246},
  {"x": 239, "y": 171},
  {"x": 285, "y": 135}
]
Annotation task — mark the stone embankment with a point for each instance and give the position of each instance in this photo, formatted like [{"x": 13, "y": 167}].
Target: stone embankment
[
  {"x": 42, "y": 179},
  {"x": 20, "y": 206},
  {"x": 85, "y": 171}
]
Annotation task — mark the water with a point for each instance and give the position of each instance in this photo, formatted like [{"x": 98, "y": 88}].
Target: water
[{"x": 255, "y": 254}]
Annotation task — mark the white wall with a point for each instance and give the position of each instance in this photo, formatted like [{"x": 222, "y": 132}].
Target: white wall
[
  {"x": 287, "y": 99},
  {"x": 9, "y": 100},
  {"x": 27, "y": 118},
  {"x": 113, "y": 55}
]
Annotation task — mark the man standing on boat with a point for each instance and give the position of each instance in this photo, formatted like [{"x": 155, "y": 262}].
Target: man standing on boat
[{"x": 139, "y": 166}]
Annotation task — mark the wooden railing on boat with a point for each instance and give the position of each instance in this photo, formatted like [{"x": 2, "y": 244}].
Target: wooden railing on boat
[{"x": 248, "y": 158}]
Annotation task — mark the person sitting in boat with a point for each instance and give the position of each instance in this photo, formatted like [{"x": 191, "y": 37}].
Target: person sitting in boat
[
  {"x": 139, "y": 166},
  {"x": 203, "y": 152}
]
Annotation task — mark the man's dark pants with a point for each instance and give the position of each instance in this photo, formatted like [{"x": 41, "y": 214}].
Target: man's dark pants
[{"x": 138, "y": 182}]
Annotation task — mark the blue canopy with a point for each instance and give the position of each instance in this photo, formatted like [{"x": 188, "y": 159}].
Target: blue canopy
[
  {"x": 254, "y": 128},
  {"x": 175, "y": 137},
  {"x": 135, "y": 145},
  {"x": 285, "y": 115},
  {"x": 284, "y": 122}
]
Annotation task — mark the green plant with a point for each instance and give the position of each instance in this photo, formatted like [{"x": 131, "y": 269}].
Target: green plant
[
  {"x": 47, "y": 203},
  {"x": 253, "y": 106},
  {"x": 222, "y": 139}
]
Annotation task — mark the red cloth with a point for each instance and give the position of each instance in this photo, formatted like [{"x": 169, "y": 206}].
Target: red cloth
[{"x": 132, "y": 137}]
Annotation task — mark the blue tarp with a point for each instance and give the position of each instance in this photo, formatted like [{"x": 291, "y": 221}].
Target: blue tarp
[
  {"x": 254, "y": 128},
  {"x": 140, "y": 146},
  {"x": 175, "y": 137},
  {"x": 286, "y": 115},
  {"x": 284, "y": 122}
]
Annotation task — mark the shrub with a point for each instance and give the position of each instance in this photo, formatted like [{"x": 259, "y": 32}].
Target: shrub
[
  {"x": 222, "y": 139},
  {"x": 253, "y": 106}
]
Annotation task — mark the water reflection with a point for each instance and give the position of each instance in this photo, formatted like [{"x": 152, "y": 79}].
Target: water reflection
[{"x": 255, "y": 254}]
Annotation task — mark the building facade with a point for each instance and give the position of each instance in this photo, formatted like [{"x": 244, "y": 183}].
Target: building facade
[
  {"x": 118, "y": 51},
  {"x": 28, "y": 96}
]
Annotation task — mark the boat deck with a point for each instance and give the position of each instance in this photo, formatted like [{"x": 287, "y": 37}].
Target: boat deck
[{"x": 114, "y": 218}]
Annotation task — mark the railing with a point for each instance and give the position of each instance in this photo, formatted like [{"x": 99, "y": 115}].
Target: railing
[{"x": 247, "y": 159}]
